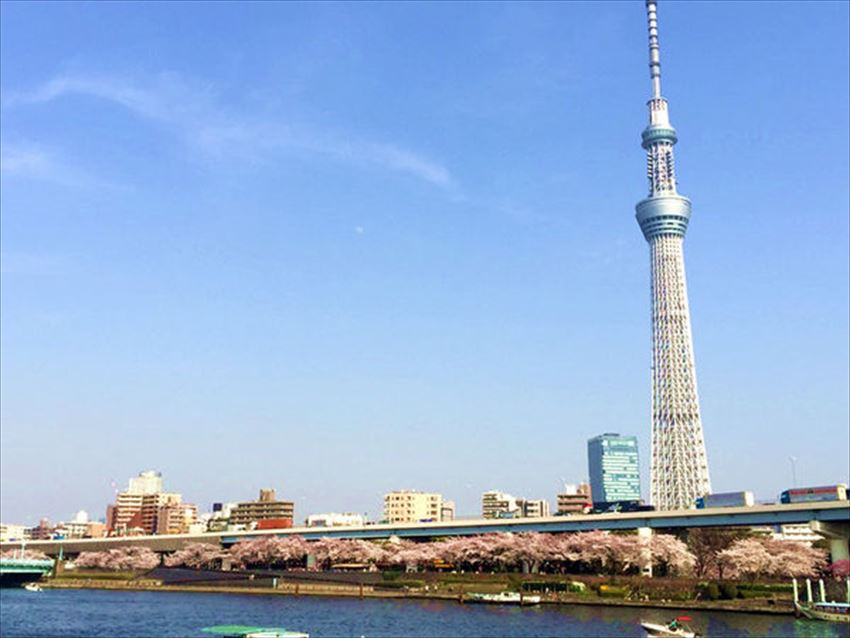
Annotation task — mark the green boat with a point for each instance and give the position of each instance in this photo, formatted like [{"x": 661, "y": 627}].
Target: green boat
[{"x": 243, "y": 631}]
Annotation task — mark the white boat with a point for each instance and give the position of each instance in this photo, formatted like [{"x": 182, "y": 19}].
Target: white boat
[
  {"x": 823, "y": 610},
  {"x": 32, "y": 587},
  {"x": 245, "y": 631},
  {"x": 503, "y": 598},
  {"x": 673, "y": 629},
  {"x": 833, "y": 612}
]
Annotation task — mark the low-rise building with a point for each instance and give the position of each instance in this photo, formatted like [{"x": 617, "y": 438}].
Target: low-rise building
[
  {"x": 10, "y": 532},
  {"x": 334, "y": 519},
  {"x": 41, "y": 532},
  {"x": 575, "y": 499},
  {"x": 533, "y": 508},
  {"x": 495, "y": 504},
  {"x": 447, "y": 511},
  {"x": 176, "y": 518},
  {"x": 799, "y": 532},
  {"x": 412, "y": 506},
  {"x": 80, "y": 527},
  {"x": 219, "y": 519},
  {"x": 266, "y": 507}
]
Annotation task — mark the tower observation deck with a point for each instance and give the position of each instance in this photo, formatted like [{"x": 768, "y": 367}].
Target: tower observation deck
[{"x": 679, "y": 466}]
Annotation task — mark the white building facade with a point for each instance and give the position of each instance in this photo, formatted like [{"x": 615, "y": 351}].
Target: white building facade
[{"x": 411, "y": 506}]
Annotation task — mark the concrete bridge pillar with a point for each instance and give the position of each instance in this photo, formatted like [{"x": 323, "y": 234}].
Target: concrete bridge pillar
[
  {"x": 838, "y": 535},
  {"x": 645, "y": 535}
]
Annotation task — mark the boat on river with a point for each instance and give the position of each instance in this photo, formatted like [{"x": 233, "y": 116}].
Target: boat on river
[
  {"x": 15, "y": 572},
  {"x": 674, "y": 629},
  {"x": 246, "y": 631},
  {"x": 502, "y": 598},
  {"x": 833, "y": 612},
  {"x": 823, "y": 609}
]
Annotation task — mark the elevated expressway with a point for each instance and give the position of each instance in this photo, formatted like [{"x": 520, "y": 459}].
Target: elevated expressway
[{"x": 831, "y": 519}]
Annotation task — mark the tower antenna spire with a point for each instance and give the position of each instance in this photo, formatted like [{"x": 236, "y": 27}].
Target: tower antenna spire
[
  {"x": 654, "y": 47},
  {"x": 679, "y": 466}
]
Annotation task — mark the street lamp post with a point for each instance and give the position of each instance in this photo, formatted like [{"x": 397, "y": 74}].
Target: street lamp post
[{"x": 793, "y": 460}]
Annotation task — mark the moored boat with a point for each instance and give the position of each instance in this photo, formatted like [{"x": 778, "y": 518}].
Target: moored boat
[
  {"x": 15, "y": 572},
  {"x": 823, "y": 610},
  {"x": 246, "y": 631},
  {"x": 502, "y": 598},
  {"x": 833, "y": 612}
]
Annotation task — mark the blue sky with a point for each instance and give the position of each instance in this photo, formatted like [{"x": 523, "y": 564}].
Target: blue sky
[{"x": 339, "y": 249}]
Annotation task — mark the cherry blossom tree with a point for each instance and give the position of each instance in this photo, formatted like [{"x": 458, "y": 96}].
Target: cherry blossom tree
[
  {"x": 413, "y": 555},
  {"x": 565, "y": 550},
  {"x": 670, "y": 555},
  {"x": 130, "y": 558},
  {"x": 527, "y": 550},
  {"x": 331, "y": 551},
  {"x": 746, "y": 558},
  {"x": 197, "y": 556},
  {"x": 270, "y": 551},
  {"x": 792, "y": 558},
  {"x": 840, "y": 568},
  {"x": 450, "y": 551},
  {"x": 603, "y": 552},
  {"x": 754, "y": 557},
  {"x": 26, "y": 554}
]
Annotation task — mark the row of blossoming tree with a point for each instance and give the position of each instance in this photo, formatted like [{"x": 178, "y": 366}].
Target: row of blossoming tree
[
  {"x": 25, "y": 554},
  {"x": 594, "y": 552}
]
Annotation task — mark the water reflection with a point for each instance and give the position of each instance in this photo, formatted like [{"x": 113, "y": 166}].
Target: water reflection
[{"x": 112, "y": 613}]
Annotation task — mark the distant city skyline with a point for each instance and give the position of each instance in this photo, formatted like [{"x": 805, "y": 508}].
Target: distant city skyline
[{"x": 344, "y": 249}]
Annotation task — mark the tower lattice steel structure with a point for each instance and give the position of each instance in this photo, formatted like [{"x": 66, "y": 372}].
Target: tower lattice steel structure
[{"x": 679, "y": 467}]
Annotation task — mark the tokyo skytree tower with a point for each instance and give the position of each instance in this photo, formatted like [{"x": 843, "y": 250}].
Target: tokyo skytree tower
[{"x": 679, "y": 467}]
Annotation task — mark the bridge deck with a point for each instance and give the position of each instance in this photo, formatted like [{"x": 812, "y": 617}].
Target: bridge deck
[{"x": 834, "y": 511}]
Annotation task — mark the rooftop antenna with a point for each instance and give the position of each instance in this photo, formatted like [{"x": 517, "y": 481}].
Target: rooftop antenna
[{"x": 654, "y": 48}]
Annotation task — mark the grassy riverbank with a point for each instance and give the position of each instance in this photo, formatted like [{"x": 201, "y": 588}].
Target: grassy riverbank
[{"x": 450, "y": 587}]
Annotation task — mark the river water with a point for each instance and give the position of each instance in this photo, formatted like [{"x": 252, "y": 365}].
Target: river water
[{"x": 89, "y": 612}]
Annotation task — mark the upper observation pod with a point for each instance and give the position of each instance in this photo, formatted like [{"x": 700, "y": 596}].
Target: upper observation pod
[{"x": 664, "y": 211}]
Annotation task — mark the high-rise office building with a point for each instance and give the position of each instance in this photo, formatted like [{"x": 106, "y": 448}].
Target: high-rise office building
[
  {"x": 612, "y": 461},
  {"x": 679, "y": 467}
]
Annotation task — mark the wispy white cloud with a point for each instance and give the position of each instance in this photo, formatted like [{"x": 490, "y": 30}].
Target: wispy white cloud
[
  {"x": 196, "y": 114},
  {"x": 17, "y": 160},
  {"x": 34, "y": 162},
  {"x": 139, "y": 101},
  {"x": 402, "y": 160}
]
